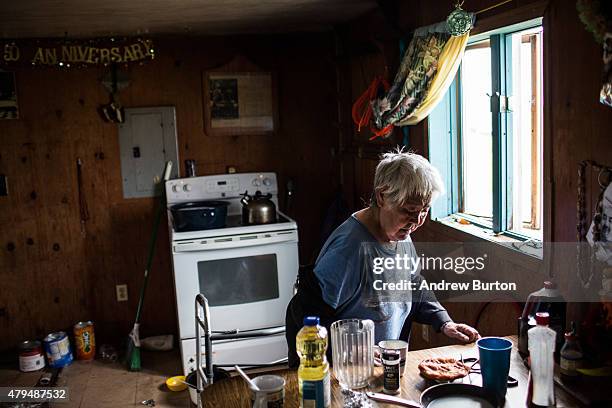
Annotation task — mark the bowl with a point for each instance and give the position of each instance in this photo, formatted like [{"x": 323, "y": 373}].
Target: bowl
[{"x": 176, "y": 383}]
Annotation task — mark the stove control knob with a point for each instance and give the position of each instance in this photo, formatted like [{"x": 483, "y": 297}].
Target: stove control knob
[
  {"x": 187, "y": 188},
  {"x": 267, "y": 182},
  {"x": 256, "y": 182},
  {"x": 175, "y": 188}
]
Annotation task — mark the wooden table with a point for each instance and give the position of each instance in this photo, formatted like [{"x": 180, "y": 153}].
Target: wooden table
[{"x": 234, "y": 392}]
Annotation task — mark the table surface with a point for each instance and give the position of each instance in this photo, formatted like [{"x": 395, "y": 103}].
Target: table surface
[{"x": 234, "y": 392}]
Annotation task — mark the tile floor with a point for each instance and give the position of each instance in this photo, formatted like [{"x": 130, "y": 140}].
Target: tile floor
[{"x": 98, "y": 384}]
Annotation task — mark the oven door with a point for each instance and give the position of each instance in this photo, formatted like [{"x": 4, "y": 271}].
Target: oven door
[{"x": 247, "y": 279}]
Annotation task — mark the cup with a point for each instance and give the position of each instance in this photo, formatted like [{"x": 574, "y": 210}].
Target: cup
[
  {"x": 353, "y": 352},
  {"x": 495, "y": 364},
  {"x": 271, "y": 392},
  {"x": 397, "y": 345}
]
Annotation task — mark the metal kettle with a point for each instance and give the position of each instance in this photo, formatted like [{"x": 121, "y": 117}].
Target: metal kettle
[{"x": 258, "y": 209}]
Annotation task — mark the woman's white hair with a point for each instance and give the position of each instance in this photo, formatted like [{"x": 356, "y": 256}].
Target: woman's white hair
[{"x": 404, "y": 176}]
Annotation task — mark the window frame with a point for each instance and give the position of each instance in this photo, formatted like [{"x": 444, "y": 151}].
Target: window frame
[{"x": 501, "y": 120}]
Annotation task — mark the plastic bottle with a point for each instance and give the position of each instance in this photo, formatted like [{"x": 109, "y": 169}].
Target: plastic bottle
[
  {"x": 571, "y": 356},
  {"x": 313, "y": 374},
  {"x": 548, "y": 299},
  {"x": 541, "y": 348}
]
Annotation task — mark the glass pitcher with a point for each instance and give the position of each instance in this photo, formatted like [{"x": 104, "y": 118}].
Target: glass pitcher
[{"x": 353, "y": 352}]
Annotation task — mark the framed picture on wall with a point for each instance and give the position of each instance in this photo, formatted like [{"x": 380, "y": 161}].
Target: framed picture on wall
[
  {"x": 8, "y": 96},
  {"x": 239, "y": 99}
]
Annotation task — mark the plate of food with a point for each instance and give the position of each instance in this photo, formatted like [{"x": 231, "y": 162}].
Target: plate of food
[{"x": 443, "y": 369}]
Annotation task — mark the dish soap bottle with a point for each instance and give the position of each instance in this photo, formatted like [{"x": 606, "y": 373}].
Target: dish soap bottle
[
  {"x": 541, "y": 349},
  {"x": 313, "y": 374}
]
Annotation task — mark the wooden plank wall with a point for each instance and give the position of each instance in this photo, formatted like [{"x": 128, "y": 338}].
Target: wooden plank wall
[
  {"x": 54, "y": 274},
  {"x": 578, "y": 126}
]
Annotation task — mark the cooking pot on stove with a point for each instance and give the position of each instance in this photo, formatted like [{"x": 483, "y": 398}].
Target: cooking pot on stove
[
  {"x": 258, "y": 209},
  {"x": 199, "y": 215}
]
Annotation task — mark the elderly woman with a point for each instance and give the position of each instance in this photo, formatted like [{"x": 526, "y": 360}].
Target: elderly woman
[{"x": 348, "y": 276}]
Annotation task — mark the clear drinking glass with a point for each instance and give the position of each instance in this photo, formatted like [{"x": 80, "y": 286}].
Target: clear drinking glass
[{"x": 353, "y": 352}]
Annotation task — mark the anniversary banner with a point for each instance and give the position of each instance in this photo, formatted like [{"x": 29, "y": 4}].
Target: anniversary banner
[{"x": 74, "y": 53}]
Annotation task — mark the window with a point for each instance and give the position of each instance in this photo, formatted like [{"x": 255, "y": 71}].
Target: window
[{"x": 485, "y": 136}]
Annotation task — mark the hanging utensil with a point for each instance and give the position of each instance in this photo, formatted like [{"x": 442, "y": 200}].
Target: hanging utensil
[{"x": 83, "y": 212}]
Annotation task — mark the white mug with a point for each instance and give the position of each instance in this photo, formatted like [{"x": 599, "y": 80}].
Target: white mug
[{"x": 399, "y": 345}]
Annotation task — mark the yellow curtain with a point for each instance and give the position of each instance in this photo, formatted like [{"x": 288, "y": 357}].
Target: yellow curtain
[{"x": 448, "y": 63}]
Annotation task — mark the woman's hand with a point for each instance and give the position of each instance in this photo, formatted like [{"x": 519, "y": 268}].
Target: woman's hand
[{"x": 460, "y": 331}]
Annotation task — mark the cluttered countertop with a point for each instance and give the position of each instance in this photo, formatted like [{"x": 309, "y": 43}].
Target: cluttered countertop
[{"x": 234, "y": 392}]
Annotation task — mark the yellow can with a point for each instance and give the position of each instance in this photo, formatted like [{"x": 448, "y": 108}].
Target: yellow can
[{"x": 85, "y": 340}]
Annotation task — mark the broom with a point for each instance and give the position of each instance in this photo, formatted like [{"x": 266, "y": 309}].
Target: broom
[{"x": 133, "y": 347}]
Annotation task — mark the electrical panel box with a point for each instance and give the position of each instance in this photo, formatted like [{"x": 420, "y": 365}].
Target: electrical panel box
[{"x": 147, "y": 139}]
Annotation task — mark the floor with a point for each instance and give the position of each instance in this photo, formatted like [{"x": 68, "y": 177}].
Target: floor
[{"x": 98, "y": 384}]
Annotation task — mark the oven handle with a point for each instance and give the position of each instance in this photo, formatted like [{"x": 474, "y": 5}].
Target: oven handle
[
  {"x": 249, "y": 334},
  {"x": 234, "y": 242}
]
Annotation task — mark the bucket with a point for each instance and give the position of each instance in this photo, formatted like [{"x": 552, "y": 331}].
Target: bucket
[{"x": 191, "y": 381}]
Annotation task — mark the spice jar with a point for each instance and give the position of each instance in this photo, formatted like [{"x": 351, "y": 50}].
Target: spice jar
[{"x": 391, "y": 371}]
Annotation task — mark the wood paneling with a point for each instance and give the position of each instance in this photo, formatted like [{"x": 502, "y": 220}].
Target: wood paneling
[{"x": 53, "y": 273}]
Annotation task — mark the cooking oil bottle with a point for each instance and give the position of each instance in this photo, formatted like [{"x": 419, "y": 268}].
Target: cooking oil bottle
[{"x": 313, "y": 374}]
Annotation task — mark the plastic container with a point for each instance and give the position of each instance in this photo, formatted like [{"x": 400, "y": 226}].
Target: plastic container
[
  {"x": 176, "y": 383},
  {"x": 313, "y": 373},
  {"x": 548, "y": 300},
  {"x": 541, "y": 348}
]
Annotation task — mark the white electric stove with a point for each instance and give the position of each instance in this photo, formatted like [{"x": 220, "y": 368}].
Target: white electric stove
[{"x": 246, "y": 272}]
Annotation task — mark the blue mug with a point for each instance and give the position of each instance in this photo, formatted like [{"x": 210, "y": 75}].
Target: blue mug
[{"x": 495, "y": 364}]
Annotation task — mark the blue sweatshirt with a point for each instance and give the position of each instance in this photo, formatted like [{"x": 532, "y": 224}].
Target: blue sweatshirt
[{"x": 351, "y": 273}]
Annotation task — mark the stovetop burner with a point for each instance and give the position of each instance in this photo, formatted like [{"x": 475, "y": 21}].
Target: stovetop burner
[
  {"x": 233, "y": 221},
  {"x": 234, "y": 226}
]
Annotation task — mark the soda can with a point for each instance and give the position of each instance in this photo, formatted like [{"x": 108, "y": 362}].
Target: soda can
[
  {"x": 57, "y": 348},
  {"x": 85, "y": 340}
]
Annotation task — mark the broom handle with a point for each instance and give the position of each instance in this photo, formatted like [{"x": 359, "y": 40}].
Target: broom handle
[{"x": 158, "y": 217}]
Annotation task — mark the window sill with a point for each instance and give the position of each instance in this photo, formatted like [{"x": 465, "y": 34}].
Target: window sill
[{"x": 452, "y": 221}]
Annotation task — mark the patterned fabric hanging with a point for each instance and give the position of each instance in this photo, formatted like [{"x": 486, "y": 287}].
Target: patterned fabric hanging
[
  {"x": 426, "y": 70},
  {"x": 418, "y": 67}
]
